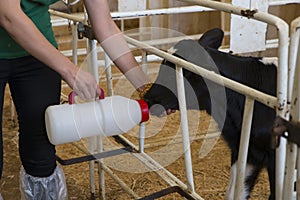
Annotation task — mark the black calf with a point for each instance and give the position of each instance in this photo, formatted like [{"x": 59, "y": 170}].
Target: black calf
[{"x": 224, "y": 105}]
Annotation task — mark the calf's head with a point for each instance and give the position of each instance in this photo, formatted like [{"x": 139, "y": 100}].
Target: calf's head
[{"x": 163, "y": 94}]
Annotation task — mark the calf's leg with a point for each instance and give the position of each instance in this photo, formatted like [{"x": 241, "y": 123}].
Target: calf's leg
[
  {"x": 251, "y": 174},
  {"x": 271, "y": 174}
]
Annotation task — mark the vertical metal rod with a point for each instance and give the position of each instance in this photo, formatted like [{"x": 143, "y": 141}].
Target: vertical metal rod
[
  {"x": 144, "y": 61},
  {"x": 184, "y": 128},
  {"x": 289, "y": 178},
  {"x": 142, "y": 137},
  {"x": 91, "y": 48},
  {"x": 74, "y": 44},
  {"x": 110, "y": 93},
  {"x": 101, "y": 171},
  {"x": 283, "y": 45},
  {"x": 298, "y": 175},
  {"x": 243, "y": 151},
  {"x": 293, "y": 95},
  {"x": 92, "y": 167},
  {"x": 109, "y": 82},
  {"x": 122, "y": 25},
  {"x": 92, "y": 66},
  {"x": 92, "y": 57},
  {"x": 142, "y": 127},
  {"x": 297, "y": 108},
  {"x": 282, "y": 85}
]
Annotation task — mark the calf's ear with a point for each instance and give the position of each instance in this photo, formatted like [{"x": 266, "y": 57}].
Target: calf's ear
[{"x": 212, "y": 38}]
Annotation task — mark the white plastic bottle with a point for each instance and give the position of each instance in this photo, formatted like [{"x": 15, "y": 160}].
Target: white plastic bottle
[{"x": 109, "y": 116}]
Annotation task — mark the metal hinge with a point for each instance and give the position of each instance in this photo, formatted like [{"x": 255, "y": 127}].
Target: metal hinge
[{"x": 85, "y": 31}]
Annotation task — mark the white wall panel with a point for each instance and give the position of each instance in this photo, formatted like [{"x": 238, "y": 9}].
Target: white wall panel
[
  {"x": 131, "y": 5},
  {"x": 248, "y": 35}
]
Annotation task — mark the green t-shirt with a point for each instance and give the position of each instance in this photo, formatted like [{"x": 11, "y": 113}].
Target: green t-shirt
[{"x": 37, "y": 11}]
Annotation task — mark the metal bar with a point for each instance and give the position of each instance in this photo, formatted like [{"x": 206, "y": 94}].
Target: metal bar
[
  {"x": 263, "y": 98},
  {"x": 165, "y": 192},
  {"x": 282, "y": 72},
  {"x": 270, "y": 44},
  {"x": 119, "y": 181},
  {"x": 240, "y": 88},
  {"x": 294, "y": 70},
  {"x": 289, "y": 178},
  {"x": 74, "y": 44},
  {"x": 184, "y": 128},
  {"x": 163, "y": 11},
  {"x": 293, "y": 97},
  {"x": 243, "y": 150},
  {"x": 91, "y": 148},
  {"x": 142, "y": 127},
  {"x": 92, "y": 58},
  {"x": 101, "y": 174},
  {"x": 294, "y": 94},
  {"x": 144, "y": 61},
  {"x": 267, "y": 18},
  {"x": 140, "y": 13},
  {"x": 109, "y": 83},
  {"x": 93, "y": 157},
  {"x": 92, "y": 63},
  {"x": 298, "y": 175}
]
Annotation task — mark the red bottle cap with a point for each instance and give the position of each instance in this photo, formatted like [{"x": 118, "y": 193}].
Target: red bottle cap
[{"x": 144, "y": 110}]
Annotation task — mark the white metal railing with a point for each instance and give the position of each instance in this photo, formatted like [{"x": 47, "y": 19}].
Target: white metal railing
[
  {"x": 165, "y": 174},
  {"x": 144, "y": 13},
  {"x": 293, "y": 96},
  {"x": 251, "y": 94},
  {"x": 137, "y": 14},
  {"x": 282, "y": 74}
]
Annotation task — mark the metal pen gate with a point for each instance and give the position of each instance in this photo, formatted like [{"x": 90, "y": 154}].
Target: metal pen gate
[{"x": 279, "y": 103}]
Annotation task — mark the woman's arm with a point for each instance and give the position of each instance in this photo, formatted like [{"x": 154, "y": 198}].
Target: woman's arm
[
  {"x": 113, "y": 42},
  {"x": 25, "y": 33}
]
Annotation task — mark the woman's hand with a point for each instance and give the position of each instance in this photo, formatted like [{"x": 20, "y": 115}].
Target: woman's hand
[{"x": 83, "y": 84}]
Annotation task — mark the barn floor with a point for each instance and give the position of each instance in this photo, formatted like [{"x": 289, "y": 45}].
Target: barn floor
[{"x": 211, "y": 166}]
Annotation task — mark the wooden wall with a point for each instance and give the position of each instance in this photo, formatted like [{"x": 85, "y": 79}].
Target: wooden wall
[
  {"x": 287, "y": 12},
  {"x": 195, "y": 23}
]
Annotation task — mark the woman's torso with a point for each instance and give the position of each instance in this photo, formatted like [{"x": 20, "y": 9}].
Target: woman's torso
[{"x": 37, "y": 11}]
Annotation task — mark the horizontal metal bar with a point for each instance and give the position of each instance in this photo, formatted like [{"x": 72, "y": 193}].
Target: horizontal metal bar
[
  {"x": 167, "y": 191},
  {"x": 266, "y": 99},
  {"x": 138, "y": 13},
  {"x": 93, "y": 156},
  {"x": 163, "y": 11},
  {"x": 121, "y": 183}
]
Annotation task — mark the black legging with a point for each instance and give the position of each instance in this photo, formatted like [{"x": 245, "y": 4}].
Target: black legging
[{"x": 33, "y": 87}]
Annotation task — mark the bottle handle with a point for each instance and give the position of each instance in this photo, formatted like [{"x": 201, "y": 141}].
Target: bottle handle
[{"x": 73, "y": 94}]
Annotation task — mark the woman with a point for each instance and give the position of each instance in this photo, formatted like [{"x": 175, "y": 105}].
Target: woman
[{"x": 33, "y": 67}]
